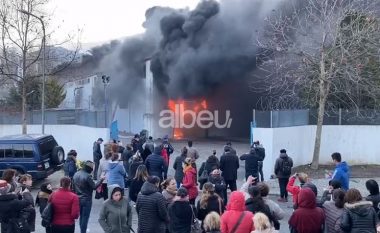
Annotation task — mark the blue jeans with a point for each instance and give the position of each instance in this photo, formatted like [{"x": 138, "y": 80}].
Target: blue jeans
[{"x": 85, "y": 210}]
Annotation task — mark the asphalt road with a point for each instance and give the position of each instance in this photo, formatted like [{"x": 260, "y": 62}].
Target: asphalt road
[{"x": 204, "y": 148}]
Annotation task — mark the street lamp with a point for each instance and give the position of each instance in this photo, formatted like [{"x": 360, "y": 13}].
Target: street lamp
[
  {"x": 106, "y": 81},
  {"x": 43, "y": 68}
]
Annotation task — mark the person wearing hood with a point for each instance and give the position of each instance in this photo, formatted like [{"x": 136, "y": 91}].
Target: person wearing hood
[
  {"x": 283, "y": 170},
  {"x": 116, "y": 213},
  {"x": 341, "y": 172},
  {"x": 70, "y": 166},
  {"x": 257, "y": 204},
  {"x": 359, "y": 215},
  {"x": 155, "y": 163},
  {"x": 374, "y": 196},
  {"x": 84, "y": 187},
  {"x": 42, "y": 199},
  {"x": 10, "y": 207},
  {"x": 177, "y": 166},
  {"x": 116, "y": 173},
  {"x": 210, "y": 165},
  {"x": 295, "y": 189},
  {"x": 334, "y": 210},
  {"x": 229, "y": 164},
  {"x": 251, "y": 163},
  {"x": 180, "y": 213},
  {"x": 236, "y": 219},
  {"x": 151, "y": 208},
  {"x": 307, "y": 218},
  {"x": 190, "y": 180},
  {"x": 65, "y": 205},
  {"x": 217, "y": 180},
  {"x": 262, "y": 224}
]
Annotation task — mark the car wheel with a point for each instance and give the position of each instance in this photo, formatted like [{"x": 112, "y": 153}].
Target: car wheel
[{"x": 58, "y": 155}]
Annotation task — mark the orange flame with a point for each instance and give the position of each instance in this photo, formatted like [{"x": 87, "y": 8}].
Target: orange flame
[{"x": 197, "y": 107}]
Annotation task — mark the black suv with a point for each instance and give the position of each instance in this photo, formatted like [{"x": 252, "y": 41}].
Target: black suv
[{"x": 36, "y": 154}]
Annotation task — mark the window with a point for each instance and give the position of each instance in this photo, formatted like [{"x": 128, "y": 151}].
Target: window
[
  {"x": 2, "y": 150},
  {"x": 28, "y": 151},
  {"x": 8, "y": 151},
  {"x": 18, "y": 150}
]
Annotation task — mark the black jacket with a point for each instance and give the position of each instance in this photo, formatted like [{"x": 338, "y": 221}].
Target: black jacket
[
  {"x": 135, "y": 188},
  {"x": 220, "y": 186},
  {"x": 229, "y": 164},
  {"x": 180, "y": 215},
  {"x": 126, "y": 157},
  {"x": 10, "y": 209},
  {"x": 155, "y": 164},
  {"x": 133, "y": 168},
  {"x": 151, "y": 210},
  {"x": 359, "y": 217},
  {"x": 259, "y": 206},
  {"x": 375, "y": 200},
  {"x": 177, "y": 166},
  {"x": 211, "y": 163},
  {"x": 279, "y": 165},
  {"x": 97, "y": 153},
  {"x": 251, "y": 162},
  {"x": 84, "y": 184},
  {"x": 212, "y": 205}
]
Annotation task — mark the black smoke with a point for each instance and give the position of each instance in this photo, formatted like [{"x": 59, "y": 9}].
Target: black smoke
[{"x": 207, "y": 47}]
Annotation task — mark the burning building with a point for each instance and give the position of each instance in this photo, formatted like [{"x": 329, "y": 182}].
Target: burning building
[{"x": 200, "y": 60}]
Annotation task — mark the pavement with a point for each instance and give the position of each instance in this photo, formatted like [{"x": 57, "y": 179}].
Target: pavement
[{"x": 204, "y": 149}]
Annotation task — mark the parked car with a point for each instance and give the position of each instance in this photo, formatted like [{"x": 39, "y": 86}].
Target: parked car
[{"x": 36, "y": 154}]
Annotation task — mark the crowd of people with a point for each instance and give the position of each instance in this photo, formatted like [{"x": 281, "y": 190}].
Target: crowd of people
[{"x": 192, "y": 200}]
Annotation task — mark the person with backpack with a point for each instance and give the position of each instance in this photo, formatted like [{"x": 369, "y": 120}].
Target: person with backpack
[{"x": 283, "y": 170}]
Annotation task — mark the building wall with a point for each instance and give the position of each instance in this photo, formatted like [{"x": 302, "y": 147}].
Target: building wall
[
  {"x": 78, "y": 94},
  {"x": 80, "y": 138},
  {"x": 357, "y": 144}
]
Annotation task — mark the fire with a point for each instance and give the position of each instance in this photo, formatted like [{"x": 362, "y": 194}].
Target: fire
[{"x": 186, "y": 105}]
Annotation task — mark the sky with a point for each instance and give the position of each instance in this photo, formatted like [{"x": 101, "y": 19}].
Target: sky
[{"x": 104, "y": 20}]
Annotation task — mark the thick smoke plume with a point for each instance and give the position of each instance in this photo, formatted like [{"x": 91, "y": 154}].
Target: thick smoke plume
[{"x": 192, "y": 52}]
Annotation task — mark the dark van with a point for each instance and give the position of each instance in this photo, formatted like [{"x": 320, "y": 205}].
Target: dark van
[{"x": 36, "y": 154}]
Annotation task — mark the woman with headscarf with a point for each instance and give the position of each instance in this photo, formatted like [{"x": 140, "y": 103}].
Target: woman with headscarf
[{"x": 236, "y": 219}]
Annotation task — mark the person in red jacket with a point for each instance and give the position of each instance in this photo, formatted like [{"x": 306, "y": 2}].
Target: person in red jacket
[
  {"x": 235, "y": 212},
  {"x": 189, "y": 180},
  {"x": 307, "y": 218},
  {"x": 65, "y": 207},
  {"x": 295, "y": 189}
]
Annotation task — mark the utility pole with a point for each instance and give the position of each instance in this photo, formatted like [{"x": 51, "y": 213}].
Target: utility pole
[{"x": 106, "y": 81}]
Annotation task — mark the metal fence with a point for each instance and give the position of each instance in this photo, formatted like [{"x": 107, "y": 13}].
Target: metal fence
[
  {"x": 287, "y": 118},
  {"x": 94, "y": 119}
]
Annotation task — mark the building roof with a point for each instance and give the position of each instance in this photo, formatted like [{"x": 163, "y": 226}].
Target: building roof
[{"x": 24, "y": 137}]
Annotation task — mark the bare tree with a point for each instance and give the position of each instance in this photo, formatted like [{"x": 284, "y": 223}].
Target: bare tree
[
  {"x": 22, "y": 36},
  {"x": 323, "y": 54}
]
